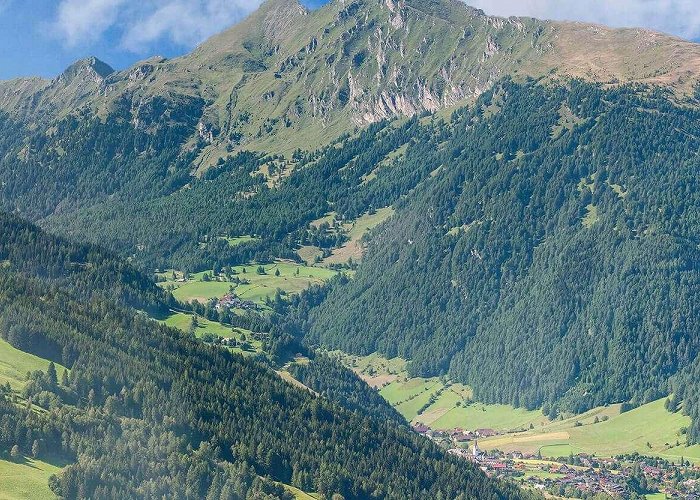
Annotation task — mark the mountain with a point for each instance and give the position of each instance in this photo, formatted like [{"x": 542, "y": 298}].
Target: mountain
[
  {"x": 287, "y": 77},
  {"x": 543, "y": 247},
  {"x": 93, "y": 143},
  {"x": 550, "y": 259},
  {"x": 206, "y": 423}
]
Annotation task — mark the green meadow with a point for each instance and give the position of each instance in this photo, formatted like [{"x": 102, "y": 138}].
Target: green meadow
[
  {"x": 289, "y": 277},
  {"x": 14, "y": 365},
  {"x": 649, "y": 430},
  {"x": 435, "y": 401},
  {"x": 26, "y": 479},
  {"x": 603, "y": 431},
  {"x": 183, "y": 321},
  {"x": 356, "y": 229}
]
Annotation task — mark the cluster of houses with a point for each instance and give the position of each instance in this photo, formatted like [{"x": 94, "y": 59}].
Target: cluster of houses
[
  {"x": 456, "y": 435},
  {"x": 557, "y": 476},
  {"x": 610, "y": 477},
  {"x": 584, "y": 475},
  {"x": 232, "y": 301}
]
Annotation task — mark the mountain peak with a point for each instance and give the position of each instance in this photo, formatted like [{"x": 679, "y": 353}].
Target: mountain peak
[{"x": 90, "y": 68}]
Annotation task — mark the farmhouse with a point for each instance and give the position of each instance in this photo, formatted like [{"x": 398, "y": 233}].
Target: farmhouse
[
  {"x": 231, "y": 300},
  {"x": 421, "y": 428},
  {"x": 482, "y": 433}
]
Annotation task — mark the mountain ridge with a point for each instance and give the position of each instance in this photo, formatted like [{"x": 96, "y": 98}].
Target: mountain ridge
[{"x": 286, "y": 76}]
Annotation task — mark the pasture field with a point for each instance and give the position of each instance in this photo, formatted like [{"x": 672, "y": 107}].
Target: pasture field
[
  {"x": 25, "y": 479},
  {"x": 452, "y": 406},
  {"x": 14, "y": 365},
  {"x": 411, "y": 407},
  {"x": 377, "y": 371},
  {"x": 183, "y": 321},
  {"x": 293, "y": 278},
  {"x": 603, "y": 431},
  {"x": 356, "y": 230},
  {"x": 648, "y": 430},
  {"x": 298, "y": 494},
  {"x": 492, "y": 416},
  {"x": 401, "y": 391}
]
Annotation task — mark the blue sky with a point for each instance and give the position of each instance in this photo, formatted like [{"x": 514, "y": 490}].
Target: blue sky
[{"x": 42, "y": 37}]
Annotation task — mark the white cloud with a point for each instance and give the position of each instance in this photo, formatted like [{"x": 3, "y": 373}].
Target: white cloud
[
  {"x": 139, "y": 24},
  {"x": 186, "y": 22},
  {"x": 78, "y": 21},
  {"x": 678, "y": 17}
]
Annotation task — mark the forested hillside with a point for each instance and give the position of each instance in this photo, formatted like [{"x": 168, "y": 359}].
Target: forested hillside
[
  {"x": 84, "y": 148},
  {"x": 144, "y": 411},
  {"x": 551, "y": 261}
]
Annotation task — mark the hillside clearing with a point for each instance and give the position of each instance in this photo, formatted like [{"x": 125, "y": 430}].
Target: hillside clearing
[
  {"x": 255, "y": 287},
  {"x": 26, "y": 479},
  {"x": 14, "y": 365}
]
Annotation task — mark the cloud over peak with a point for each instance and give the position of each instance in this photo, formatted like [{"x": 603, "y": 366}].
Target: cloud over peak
[
  {"x": 139, "y": 24},
  {"x": 678, "y": 17}
]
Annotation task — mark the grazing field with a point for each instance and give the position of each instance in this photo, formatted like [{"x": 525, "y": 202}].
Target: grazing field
[
  {"x": 377, "y": 371},
  {"x": 498, "y": 417},
  {"x": 298, "y": 494},
  {"x": 351, "y": 249},
  {"x": 435, "y": 402},
  {"x": 26, "y": 479},
  {"x": 289, "y": 277},
  {"x": 183, "y": 321},
  {"x": 356, "y": 230},
  {"x": 603, "y": 431},
  {"x": 648, "y": 430},
  {"x": 201, "y": 291},
  {"x": 14, "y": 365}
]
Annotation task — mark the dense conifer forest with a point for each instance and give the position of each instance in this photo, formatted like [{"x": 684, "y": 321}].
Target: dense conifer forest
[{"x": 553, "y": 259}]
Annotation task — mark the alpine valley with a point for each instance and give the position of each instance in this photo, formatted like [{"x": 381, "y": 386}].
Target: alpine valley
[{"x": 380, "y": 249}]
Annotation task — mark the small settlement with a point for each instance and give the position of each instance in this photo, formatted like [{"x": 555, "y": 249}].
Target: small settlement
[{"x": 576, "y": 476}]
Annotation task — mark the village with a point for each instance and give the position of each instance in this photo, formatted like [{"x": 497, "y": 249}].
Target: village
[
  {"x": 576, "y": 476},
  {"x": 232, "y": 301}
]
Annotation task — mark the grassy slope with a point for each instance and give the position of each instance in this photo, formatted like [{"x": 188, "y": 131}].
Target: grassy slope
[
  {"x": 452, "y": 407},
  {"x": 27, "y": 479},
  {"x": 356, "y": 229},
  {"x": 260, "y": 287},
  {"x": 182, "y": 321},
  {"x": 623, "y": 433},
  {"x": 14, "y": 365}
]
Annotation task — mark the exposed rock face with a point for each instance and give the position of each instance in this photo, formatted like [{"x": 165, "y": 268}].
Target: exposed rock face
[
  {"x": 90, "y": 69},
  {"x": 287, "y": 74}
]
